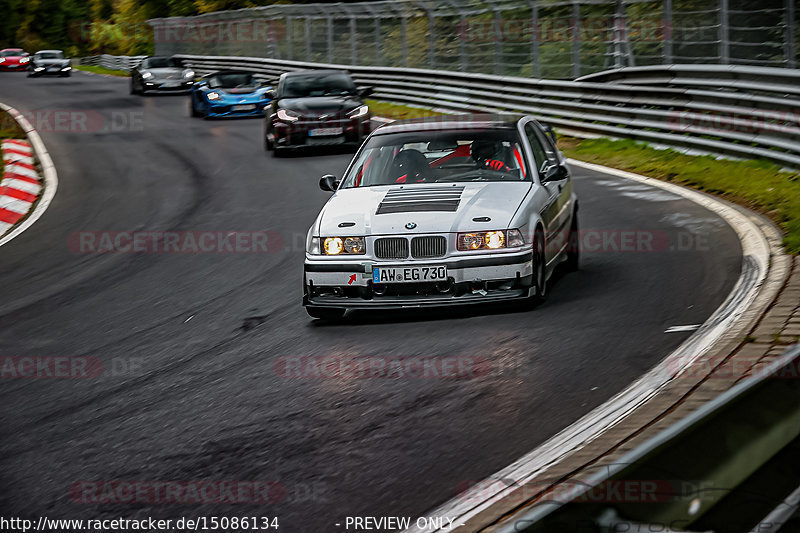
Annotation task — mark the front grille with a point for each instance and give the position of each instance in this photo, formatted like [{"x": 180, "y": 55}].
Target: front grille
[
  {"x": 391, "y": 248},
  {"x": 425, "y": 247}
]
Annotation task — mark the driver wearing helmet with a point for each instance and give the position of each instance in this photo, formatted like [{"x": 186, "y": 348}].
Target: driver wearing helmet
[{"x": 488, "y": 154}]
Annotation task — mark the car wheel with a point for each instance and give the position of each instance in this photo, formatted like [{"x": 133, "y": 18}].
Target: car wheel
[
  {"x": 574, "y": 246},
  {"x": 326, "y": 313},
  {"x": 192, "y": 109},
  {"x": 539, "y": 281}
]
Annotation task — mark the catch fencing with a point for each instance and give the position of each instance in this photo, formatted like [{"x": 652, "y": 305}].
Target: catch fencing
[{"x": 559, "y": 39}]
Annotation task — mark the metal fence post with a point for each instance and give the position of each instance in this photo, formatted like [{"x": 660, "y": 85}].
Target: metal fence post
[
  {"x": 791, "y": 50},
  {"x": 667, "y": 33},
  {"x": 378, "y": 58},
  {"x": 404, "y": 31},
  {"x": 576, "y": 39},
  {"x": 289, "y": 37},
  {"x": 330, "y": 39},
  {"x": 431, "y": 37},
  {"x": 724, "y": 42},
  {"x": 308, "y": 38},
  {"x": 497, "y": 38},
  {"x": 537, "y": 68},
  {"x": 461, "y": 33},
  {"x": 353, "y": 57}
]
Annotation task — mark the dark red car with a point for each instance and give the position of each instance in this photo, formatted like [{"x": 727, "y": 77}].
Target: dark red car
[{"x": 14, "y": 59}]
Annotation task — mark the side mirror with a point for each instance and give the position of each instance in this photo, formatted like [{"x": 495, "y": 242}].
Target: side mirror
[
  {"x": 271, "y": 94},
  {"x": 555, "y": 173},
  {"x": 363, "y": 92},
  {"x": 328, "y": 183}
]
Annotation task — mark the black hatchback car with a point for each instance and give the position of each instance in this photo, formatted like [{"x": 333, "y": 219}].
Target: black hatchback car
[{"x": 316, "y": 107}]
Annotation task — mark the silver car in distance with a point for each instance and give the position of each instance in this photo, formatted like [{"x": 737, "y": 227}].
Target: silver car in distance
[{"x": 443, "y": 212}]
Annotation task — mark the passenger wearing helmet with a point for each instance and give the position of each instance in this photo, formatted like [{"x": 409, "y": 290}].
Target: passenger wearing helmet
[
  {"x": 489, "y": 154},
  {"x": 409, "y": 166}
]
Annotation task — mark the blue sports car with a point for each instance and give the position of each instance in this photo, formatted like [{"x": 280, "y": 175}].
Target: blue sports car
[{"x": 229, "y": 93}]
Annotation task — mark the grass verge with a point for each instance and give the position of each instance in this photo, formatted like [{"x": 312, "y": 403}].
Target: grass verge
[
  {"x": 9, "y": 129},
  {"x": 102, "y": 70},
  {"x": 397, "y": 111},
  {"x": 759, "y": 185}
]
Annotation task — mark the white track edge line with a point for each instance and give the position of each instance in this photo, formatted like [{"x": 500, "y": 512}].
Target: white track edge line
[
  {"x": 755, "y": 265},
  {"x": 49, "y": 174}
]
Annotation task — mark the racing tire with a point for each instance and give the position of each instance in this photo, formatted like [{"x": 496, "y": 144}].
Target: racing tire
[
  {"x": 539, "y": 277},
  {"x": 326, "y": 313},
  {"x": 572, "y": 264},
  {"x": 268, "y": 146},
  {"x": 193, "y": 112}
]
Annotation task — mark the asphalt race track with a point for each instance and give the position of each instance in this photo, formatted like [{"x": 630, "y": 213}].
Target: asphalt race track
[{"x": 189, "y": 342}]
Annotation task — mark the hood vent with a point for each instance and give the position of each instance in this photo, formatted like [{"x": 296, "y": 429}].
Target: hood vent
[{"x": 402, "y": 200}]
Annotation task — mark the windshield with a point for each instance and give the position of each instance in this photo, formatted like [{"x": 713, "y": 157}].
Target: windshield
[
  {"x": 232, "y": 81},
  {"x": 439, "y": 157},
  {"x": 160, "y": 62},
  {"x": 50, "y": 55},
  {"x": 11, "y": 53},
  {"x": 329, "y": 84}
]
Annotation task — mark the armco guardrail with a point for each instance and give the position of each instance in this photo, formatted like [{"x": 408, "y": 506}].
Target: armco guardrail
[
  {"x": 732, "y": 465},
  {"x": 113, "y": 62},
  {"x": 749, "y": 112},
  {"x": 758, "y": 120}
]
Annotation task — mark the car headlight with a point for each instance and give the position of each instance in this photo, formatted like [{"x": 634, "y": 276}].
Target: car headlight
[
  {"x": 213, "y": 96},
  {"x": 187, "y": 74},
  {"x": 24, "y": 60},
  {"x": 337, "y": 246},
  {"x": 66, "y": 68},
  {"x": 3, "y": 60},
  {"x": 39, "y": 68},
  {"x": 287, "y": 116},
  {"x": 358, "y": 112},
  {"x": 489, "y": 240}
]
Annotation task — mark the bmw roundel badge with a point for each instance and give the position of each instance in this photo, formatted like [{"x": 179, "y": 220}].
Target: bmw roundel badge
[{"x": 411, "y": 225}]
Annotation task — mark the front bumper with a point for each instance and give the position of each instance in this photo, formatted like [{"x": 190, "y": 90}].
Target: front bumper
[
  {"x": 296, "y": 134},
  {"x": 168, "y": 86},
  {"x": 226, "y": 110},
  {"x": 51, "y": 71},
  {"x": 347, "y": 284}
]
